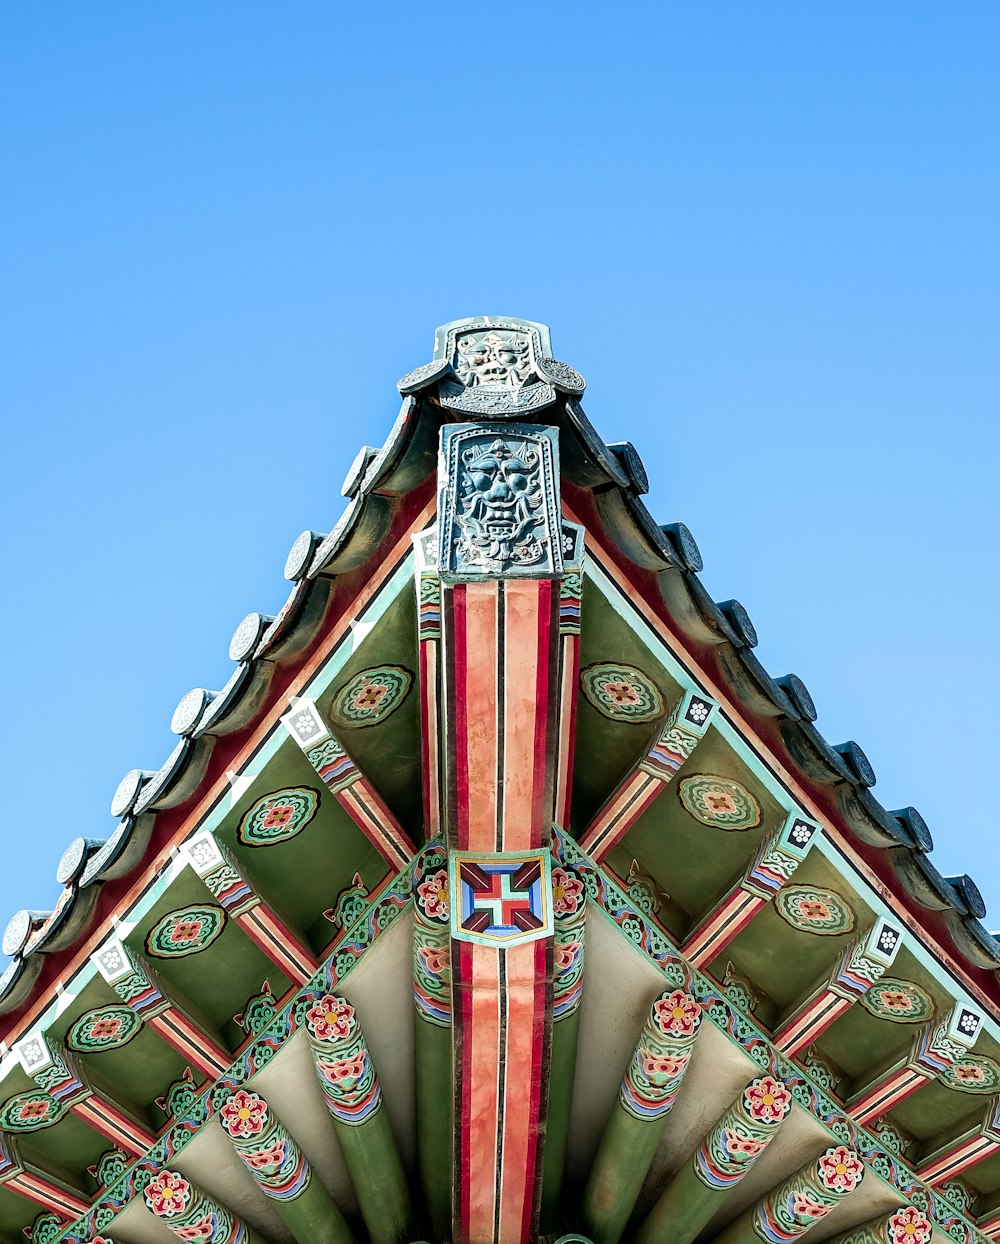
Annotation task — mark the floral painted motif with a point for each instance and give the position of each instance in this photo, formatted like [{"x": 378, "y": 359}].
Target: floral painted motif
[
  {"x": 168, "y": 1195},
  {"x": 30, "y": 1112},
  {"x": 331, "y": 1018},
  {"x": 677, "y": 1014},
  {"x": 371, "y": 696},
  {"x": 719, "y": 802},
  {"x": 432, "y": 895},
  {"x": 104, "y": 1029},
  {"x": 840, "y": 1169},
  {"x": 245, "y": 1114},
  {"x": 185, "y": 932},
  {"x": 814, "y": 910},
  {"x": 567, "y": 892},
  {"x": 278, "y": 816},
  {"x": 973, "y": 1073},
  {"x": 908, "y": 1226},
  {"x": 622, "y": 692},
  {"x": 900, "y": 1001},
  {"x": 767, "y": 1100}
]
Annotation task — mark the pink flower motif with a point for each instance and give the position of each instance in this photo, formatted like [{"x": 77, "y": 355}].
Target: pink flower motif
[
  {"x": 803, "y": 1206},
  {"x": 244, "y": 1114},
  {"x": 566, "y": 953},
  {"x": 186, "y": 931},
  {"x": 435, "y": 960},
  {"x": 168, "y": 1194},
  {"x": 968, "y": 1073},
  {"x": 105, "y": 1028},
  {"x": 203, "y": 1229},
  {"x": 274, "y": 1156},
  {"x": 330, "y": 1018},
  {"x": 567, "y": 892},
  {"x": 662, "y": 1066},
  {"x": 813, "y": 909},
  {"x": 433, "y": 895},
  {"x": 894, "y": 999},
  {"x": 909, "y": 1226},
  {"x": 742, "y": 1146},
  {"x": 31, "y": 1110},
  {"x": 344, "y": 1071},
  {"x": 767, "y": 1100},
  {"x": 840, "y": 1169},
  {"x": 677, "y": 1014}
]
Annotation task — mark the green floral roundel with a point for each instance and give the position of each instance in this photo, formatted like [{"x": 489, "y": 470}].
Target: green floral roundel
[
  {"x": 278, "y": 816},
  {"x": 621, "y": 692},
  {"x": 30, "y": 1112},
  {"x": 185, "y": 932},
  {"x": 719, "y": 802},
  {"x": 371, "y": 696},
  {"x": 901, "y": 1001},
  {"x": 814, "y": 910},
  {"x": 104, "y": 1029},
  {"x": 972, "y": 1074}
]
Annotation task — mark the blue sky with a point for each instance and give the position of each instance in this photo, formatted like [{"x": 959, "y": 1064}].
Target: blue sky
[{"x": 766, "y": 234}]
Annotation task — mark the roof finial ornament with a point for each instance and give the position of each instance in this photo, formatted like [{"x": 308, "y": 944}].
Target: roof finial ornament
[{"x": 494, "y": 366}]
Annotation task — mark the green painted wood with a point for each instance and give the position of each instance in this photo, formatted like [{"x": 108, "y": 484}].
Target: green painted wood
[
  {"x": 724, "y": 1157},
  {"x": 649, "y": 1086}
]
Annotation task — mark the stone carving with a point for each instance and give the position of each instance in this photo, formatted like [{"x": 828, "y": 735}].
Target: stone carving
[{"x": 499, "y": 502}]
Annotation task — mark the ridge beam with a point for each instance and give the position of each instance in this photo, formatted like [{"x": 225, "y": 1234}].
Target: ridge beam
[
  {"x": 345, "y": 781},
  {"x": 353, "y": 1096},
  {"x": 191, "y": 1214},
  {"x": 281, "y": 1170},
  {"x": 40, "y": 1187},
  {"x": 958, "y": 1153},
  {"x": 140, "y": 987},
  {"x": 935, "y": 1048},
  {"x": 631, "y": 1136},
  {"x": 862, "y": 964},
  {"x": 59, "y": 1075},
  {"x": 800, "y": 1201},
  {"x": 723, "y": 1158},
  {"x": 240, "y": 899},
  {"x": 680, "y": 734},
  {"x": 775, "y": 862}
]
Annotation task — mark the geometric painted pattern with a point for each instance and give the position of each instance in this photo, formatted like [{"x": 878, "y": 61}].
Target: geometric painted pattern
[
  {"x": 501, "y": 900},
  {"x": 719, "y": 802},
  {"x": 185, "y": 932},
  {"x": 621, "y": 692},
  {"x": 901, "y": 1001},
  {"x": 30, "y": 1112},
  {"x": 278, "y": 816},
  {"x": 972, "y": 1074},
  {"x": 814, "y": 910},
  {"x": 372, "y": 695},
  {"x": 104, "y": 1029}
]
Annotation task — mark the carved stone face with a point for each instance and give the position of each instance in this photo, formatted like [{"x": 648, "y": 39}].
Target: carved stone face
[{"x": 493, "y": 356}]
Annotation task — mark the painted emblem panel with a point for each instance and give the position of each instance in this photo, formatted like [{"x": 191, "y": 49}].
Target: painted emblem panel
[
  {"x": 897, "y": 1000},
  {"x": 972, "y": 1074},
  {"x": 814, "y": 910},
  {"x": 185, "y": 931},
  {"x": 372, "y": 696},
  {"x": 279, "y": 816},
  {"x": 501, "y": 900},
  {"x": 621, "y": 692},
  {"x": 719, "y": 802},
  {"x": 107, "y": 1028}
]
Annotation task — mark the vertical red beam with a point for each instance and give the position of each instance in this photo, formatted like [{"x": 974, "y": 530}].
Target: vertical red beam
[{"x": 501, "y": 673}]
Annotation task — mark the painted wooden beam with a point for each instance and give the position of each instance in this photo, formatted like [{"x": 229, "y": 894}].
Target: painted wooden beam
[
  {"x": 353, "y": 1096},
  {"x": 192, "y": 1215},
  {"x": 773, "y": 865},
  {"x": 281, "y": 1170},
  {"x": 428, "y": 587},
  {"x": 935, "y": 1048},
  {"x": 501, "y": 695},
  {"x": 433, "y": 1076},
  {"x": 906, "y": 1225},
  {"x": 43, "y": 1188},
  {"x": 720, "y": 1162},
  {"x": 57, "y": 1072},
  {"x": 632, "y": 1133},
  {"x": 989, "y": 1223},
  {"x": 140, "y": 987},
  {"x": 240, "y": 897},
  {"x": 570, "y": 617},
  {"x": 344, "y": 780},
  {"x": 682, "y": 731},
  {"x": 799, "y": 1202},
  {"x": 861, "y": 965},
  {"x": 959, "y": 1152}
]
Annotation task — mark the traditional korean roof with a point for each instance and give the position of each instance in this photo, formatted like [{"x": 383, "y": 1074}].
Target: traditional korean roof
[{"x": 275, "y": 892}]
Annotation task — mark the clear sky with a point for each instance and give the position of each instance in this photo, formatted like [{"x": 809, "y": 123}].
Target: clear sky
[{"x": 766, "y": 233}]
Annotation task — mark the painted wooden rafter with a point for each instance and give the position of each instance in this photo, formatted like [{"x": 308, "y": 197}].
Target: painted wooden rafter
[
  {"x": 57, "y": 1072},
  {"x": 347, "y": 784},
  {"x": 935, "y": 1048},
  {"x": 862, "y": 964},
  {"x": 680, "y": 734},
  {"x": 428, "y": 587},
  {"x": 774, "y": 863},
  {"x": 570, "y": 617},
  {"x": 960, "y": 1152},
  {"x": 192, "y": 1215},
  {"x": 23, "y": 1178},
  {"x": 139, "y": 986},
  {"x": 241, "y": 900}
]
